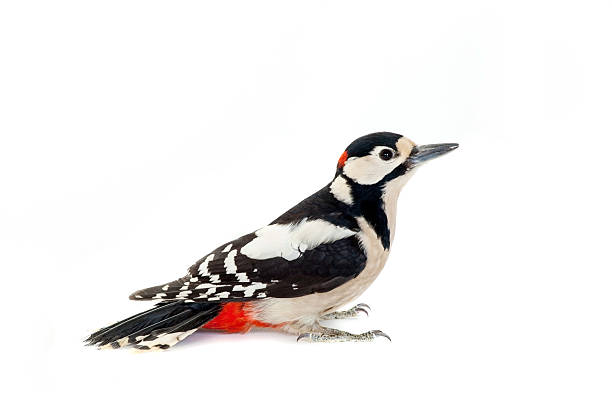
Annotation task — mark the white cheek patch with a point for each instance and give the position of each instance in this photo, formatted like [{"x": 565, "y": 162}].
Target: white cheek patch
[
  {"x": 289, "y": 241},
  {"x": 370, "y": 169}
]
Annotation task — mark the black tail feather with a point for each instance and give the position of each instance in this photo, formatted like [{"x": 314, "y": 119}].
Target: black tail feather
[
  {"x": 162, "y": 319},
  {"x": 143, "y": 333},
  {"x": 127, "y": 326},
  {"x": 184, "y": 326}
]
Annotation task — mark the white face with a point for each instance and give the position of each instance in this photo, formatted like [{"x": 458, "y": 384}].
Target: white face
[{"x": 381, "y": 160}]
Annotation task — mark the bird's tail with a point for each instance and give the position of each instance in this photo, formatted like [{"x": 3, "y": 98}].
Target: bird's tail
[{"x": 158, "y": 328}]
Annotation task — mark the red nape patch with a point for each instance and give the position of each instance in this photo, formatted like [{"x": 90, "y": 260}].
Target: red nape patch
[
  {"x": 342, "y": 159},
  {"x": 235, "y": 317}
]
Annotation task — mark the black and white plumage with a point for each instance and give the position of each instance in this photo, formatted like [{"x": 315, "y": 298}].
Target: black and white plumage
[
  {"x": 319, "y": 255},
  {"x": 302, "y": 256}
]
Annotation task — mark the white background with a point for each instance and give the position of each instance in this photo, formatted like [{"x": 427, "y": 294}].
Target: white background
[{"x": 137, "y": 136}]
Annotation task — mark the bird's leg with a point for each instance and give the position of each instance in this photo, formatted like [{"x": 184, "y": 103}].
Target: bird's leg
[
  {"x": 329, "y": 335},
  {"x": 348, "y": 314}
]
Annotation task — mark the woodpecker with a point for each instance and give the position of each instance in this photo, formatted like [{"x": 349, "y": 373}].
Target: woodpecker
[{"x": 297, "y": 271}]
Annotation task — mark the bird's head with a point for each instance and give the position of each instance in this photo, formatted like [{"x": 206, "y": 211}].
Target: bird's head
[
  {"x": 373, "y": 161},
  {"x": 384, "y": 156}
]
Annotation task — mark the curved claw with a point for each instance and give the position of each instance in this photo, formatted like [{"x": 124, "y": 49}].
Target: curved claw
[
  {"x": 304, "y": 336},
  {"x": 379, "y": 333},
  {"x": 363, "y": 305},
  {"x": 362, "y": 309}
]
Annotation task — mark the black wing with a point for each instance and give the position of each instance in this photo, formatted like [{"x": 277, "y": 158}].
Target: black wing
[{"x": 228, "y": 275}]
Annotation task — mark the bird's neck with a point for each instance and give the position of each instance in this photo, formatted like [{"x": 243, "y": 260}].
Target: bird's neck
[
  {"x": 375, "y": 203},
  {"x": 389, "y": 198},
  {"x": 373, "y": 210}
]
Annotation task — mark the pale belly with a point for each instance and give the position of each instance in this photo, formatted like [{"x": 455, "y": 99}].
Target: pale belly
[{"x": 302, "y": 313}]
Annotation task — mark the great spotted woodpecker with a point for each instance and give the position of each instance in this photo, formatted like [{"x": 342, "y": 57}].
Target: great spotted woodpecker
[{"x": 297, "y": 270}]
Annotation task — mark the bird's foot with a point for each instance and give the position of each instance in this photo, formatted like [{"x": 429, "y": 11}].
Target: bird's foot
[
  {"x": 327, "y": 335},
  {"x": 348, "y": 314}
]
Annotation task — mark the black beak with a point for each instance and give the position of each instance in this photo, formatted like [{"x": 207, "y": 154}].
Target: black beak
[{"x": 423, "y": 153}]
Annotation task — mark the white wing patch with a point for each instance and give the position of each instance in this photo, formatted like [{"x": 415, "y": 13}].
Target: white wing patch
[{"x": 289, "y": 241}]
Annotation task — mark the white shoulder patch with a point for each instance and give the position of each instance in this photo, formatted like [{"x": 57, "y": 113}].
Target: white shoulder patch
[{"x": 289, "y": 241}]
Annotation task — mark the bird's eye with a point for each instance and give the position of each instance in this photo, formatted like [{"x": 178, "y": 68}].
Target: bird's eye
[{"x": 386, "y": 154}]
